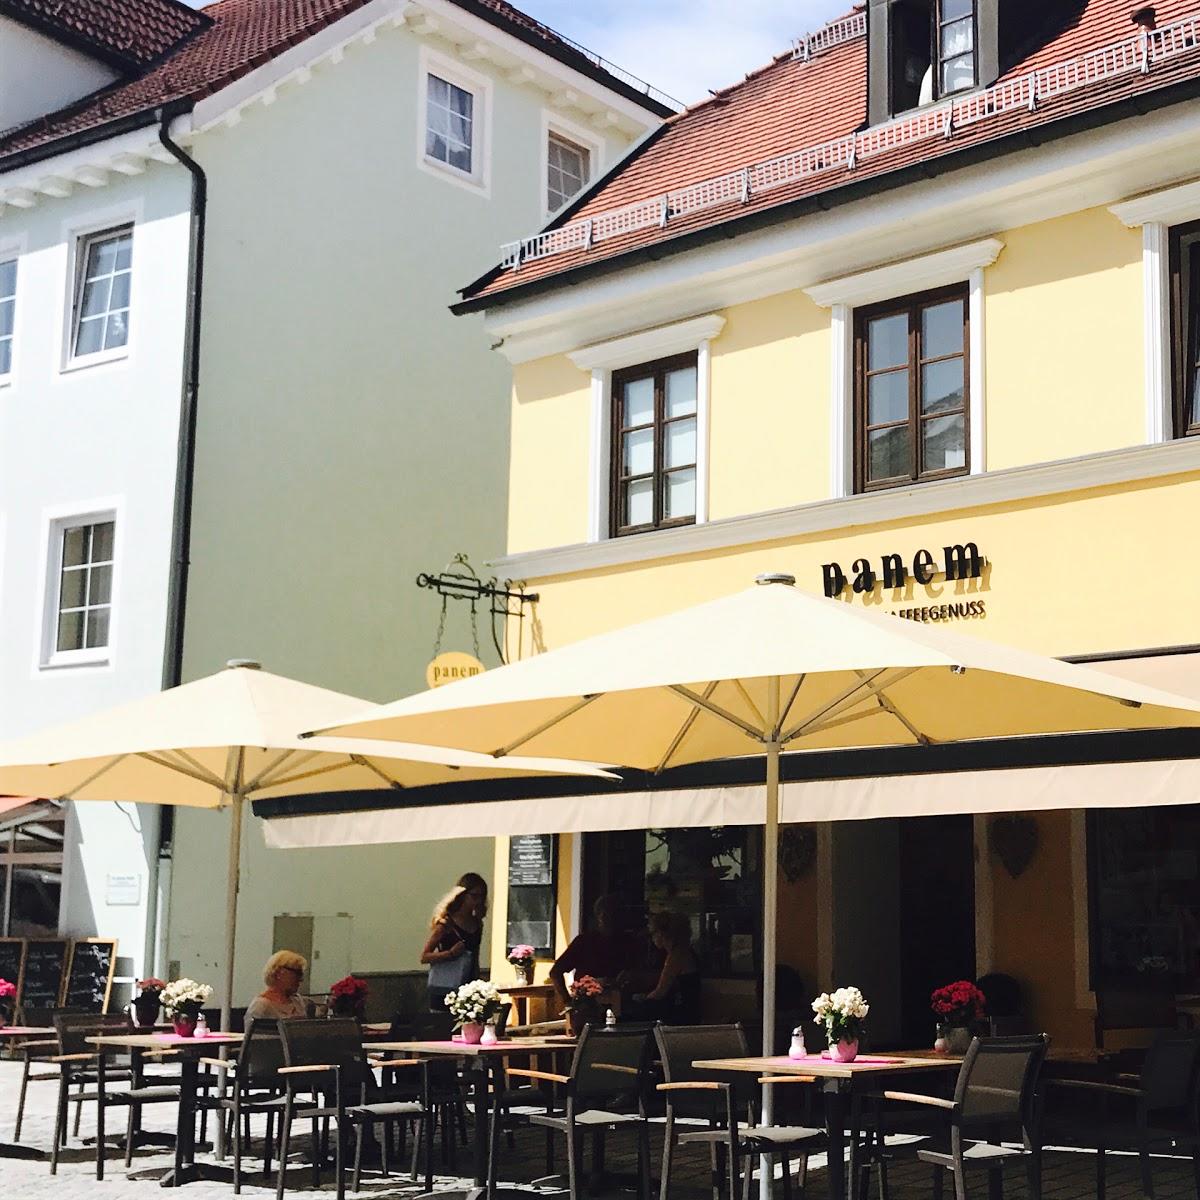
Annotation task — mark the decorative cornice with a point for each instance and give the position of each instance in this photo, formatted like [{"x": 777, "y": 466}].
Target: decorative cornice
[
  {"x": 1170, "y": 206},
  {"x": 912, "y": 275},
  {"x": 649, "y": 344},
  {"x": 831, "y": 516}
]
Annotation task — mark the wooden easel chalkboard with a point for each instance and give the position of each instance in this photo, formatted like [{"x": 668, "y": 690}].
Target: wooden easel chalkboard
[
  {"x": 45, "y": 971},
  {"x": 90, "y": 974},
  {"x": 12, "y": 964}
]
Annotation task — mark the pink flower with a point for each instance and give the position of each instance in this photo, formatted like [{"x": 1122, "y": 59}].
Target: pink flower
[{"x": 7, "y": 990}]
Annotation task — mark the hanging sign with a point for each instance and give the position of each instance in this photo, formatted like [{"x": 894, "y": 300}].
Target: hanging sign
[{"x": 451, "y": 667}]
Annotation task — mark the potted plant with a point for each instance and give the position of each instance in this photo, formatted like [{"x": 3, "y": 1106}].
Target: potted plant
[
  {"x": 348, "y": 997},
  {"x": 183, "y": 999},
  {"x": 843, "y": 1015},
  {"x": 521, "y": 958},
  {"x": 147, "y": 1002},
  {"x": 473, "y": 1005},
  {"x": 8, "y": 997},
  {"x": 957, "y": 1006},
  {"x": 586, "y": 1003}
]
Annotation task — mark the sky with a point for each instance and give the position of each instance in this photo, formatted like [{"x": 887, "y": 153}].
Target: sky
[{"x": 686, "y": 47}]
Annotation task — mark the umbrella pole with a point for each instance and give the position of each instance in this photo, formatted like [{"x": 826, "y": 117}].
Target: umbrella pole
[
  {"x": 770, "y": 912},
  {"x": 232, "y": 879}
]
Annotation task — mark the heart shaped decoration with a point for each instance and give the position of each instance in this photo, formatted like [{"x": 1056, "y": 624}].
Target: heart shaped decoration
[
  {"x": 1014, "y": 841},
  {"x": 797, "y": 851}
]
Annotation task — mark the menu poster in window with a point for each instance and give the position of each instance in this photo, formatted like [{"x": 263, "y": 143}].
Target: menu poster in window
[
  {"x": 45, "y": 966},
  {"x": 531, "y": 886},
  {"x": 90, "y": 975},
  {"x": 12, "y": 961}
]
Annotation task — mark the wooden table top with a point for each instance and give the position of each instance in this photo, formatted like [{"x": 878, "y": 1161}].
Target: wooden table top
[
  {"x": 12, "y": 1031},
  {"x": 826, "y": 1068},
  {"x": 162, "y": 1041},
  {"x": 526, "y": 989},
  {"x": 532, "y": 1045}
]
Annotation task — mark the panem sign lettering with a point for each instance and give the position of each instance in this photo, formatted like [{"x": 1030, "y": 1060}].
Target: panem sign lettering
[{"x": 451, "y": 667}]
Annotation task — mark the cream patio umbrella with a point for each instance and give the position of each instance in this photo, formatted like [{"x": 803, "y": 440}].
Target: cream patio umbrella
[
  {"x": 222, "y": 740},
  {"x": 766, "y": 669}
]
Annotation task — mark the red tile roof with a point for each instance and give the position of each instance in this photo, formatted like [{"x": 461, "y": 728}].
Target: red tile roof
[
  {"x": 234, "y": 38},
  {"x": 134, "y": 32},
  {"x": 819, "y": 107}
]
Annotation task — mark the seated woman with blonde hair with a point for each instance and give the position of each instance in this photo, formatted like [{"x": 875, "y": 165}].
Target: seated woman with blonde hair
[
  {"x": 676, "y": 997},
  {"x": 281, "y": 998}
]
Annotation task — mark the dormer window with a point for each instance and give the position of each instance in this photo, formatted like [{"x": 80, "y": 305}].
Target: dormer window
[{"x": 922, "y": 51}]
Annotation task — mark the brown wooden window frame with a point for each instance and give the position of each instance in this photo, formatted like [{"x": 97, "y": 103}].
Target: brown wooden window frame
[
  {"x": 658, "y": 371},
  {"x": 912, "y": 305},
  {"x": 1184, "y": 264}
]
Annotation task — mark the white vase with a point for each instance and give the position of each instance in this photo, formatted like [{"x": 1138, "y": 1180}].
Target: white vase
[{"x": 488, "y": 1037}]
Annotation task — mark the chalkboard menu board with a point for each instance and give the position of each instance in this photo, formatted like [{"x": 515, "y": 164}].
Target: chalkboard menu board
[
  {"x": 89, "y": 976},
  {"x": 12, "y": 960},
  {"x": 45, "y": 966},
  {"x": 531, "y": 872}
]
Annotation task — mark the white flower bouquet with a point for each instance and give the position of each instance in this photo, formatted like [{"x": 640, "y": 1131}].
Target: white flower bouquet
[
  {"x": 474, "y": 1003},
  {"x": 843, "y": 1014},
  {"x": 185, "y": 996}
]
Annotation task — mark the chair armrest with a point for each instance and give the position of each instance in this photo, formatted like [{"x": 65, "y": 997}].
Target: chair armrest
[
  {"x": 615, "y": 1067},
  {"x": 395, "y": 1062},
  {"x": 1090, "y": 1085},
  {"x": 698, "y": 1085},
  {"x": 45, "y": 1044},
  {"x": 315, "y": 1069},
  {"x": 522, "y": 1073},
  {"x": 219, "y": 1064},
  {"x": 163, "y": 1054},
  {"x": 65, "y": 1058},
  {"x": 918, "y": 1098},
  {"x": 787, "y": 1079}
]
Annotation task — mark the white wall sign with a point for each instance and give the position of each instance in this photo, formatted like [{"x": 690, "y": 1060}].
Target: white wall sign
[{"x": 122, "y": 889}]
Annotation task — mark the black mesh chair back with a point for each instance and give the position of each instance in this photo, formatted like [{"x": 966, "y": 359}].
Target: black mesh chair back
[
  {"x": 261, "y": 1055},
  {"x": 433, "y": 1026},
  {"x": 1142, "y": 1005},
  {"x": 74, "y": 1028},
  {"x": 681, "y": 1045},
  {"x": 609, "y": 1067},
  {"x": 1169, "y": 1072},
  {"x": 333, "y": 1042},
  {"x": 997, "y": 1081},
  {"x": 502, "y": 1020}
]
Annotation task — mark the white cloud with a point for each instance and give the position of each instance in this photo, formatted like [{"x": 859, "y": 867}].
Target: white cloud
[{"x": 686, "y": 47}]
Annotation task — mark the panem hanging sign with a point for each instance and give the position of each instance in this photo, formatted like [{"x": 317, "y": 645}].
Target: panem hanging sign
[{"x": 893, "y": 572}]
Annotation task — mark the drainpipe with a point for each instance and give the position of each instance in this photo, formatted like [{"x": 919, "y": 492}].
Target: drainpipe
[{"x": 181, "y": 533}]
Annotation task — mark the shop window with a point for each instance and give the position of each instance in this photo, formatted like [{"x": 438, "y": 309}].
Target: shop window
[
  {"x": 911, "y": 402},
  {"x": 1145, "y": 896},
  {"x": 713, "y": 876},
  {"x": 654, "y": 445},
  {"x": 31, "y": 863},
  {"x": 1185, "y": 327}
]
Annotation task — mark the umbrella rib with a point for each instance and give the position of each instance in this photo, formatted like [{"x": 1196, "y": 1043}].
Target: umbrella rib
[
  {"x": 184, "y": 756},
  {"x": 281, "y": 780},
  {"x": 787, "y": 708},
  {"x": 741, "y": 687},
  {"x": 108, "y": 766},
  {"x": 202, "y": 775},
  {"x": 260, "y": 780},
  {"x": 540, "y": 729},
  {"x": 888, "y": 705},
  {"x": 717, "y": 711},
  {"x": 370, "y": 766},
  {"x": 847, "y": 698},
  {"x": 677, "y": 740},
  {"x": 844, "y": 719}
]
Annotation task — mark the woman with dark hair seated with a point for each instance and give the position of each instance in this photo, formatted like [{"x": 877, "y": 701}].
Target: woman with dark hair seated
[{"x": 675, "y": 999}]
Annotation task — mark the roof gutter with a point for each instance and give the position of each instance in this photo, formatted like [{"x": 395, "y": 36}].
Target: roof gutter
[
  {"x": 1133, "y": 106},
  {"x": 181, "y": 533}
]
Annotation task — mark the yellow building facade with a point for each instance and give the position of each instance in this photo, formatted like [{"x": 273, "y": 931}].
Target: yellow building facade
[{"x": 1076, "y": 489}]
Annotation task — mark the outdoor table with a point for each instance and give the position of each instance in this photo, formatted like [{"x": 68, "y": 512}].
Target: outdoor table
[
  {"x": 190, "y": 1049},
  {"x": 23, "y": 1031},
  {"x": 842, "y": 1086},
  {"x": 485, "y": 1060},
  {"x": 521, "y": 994}
]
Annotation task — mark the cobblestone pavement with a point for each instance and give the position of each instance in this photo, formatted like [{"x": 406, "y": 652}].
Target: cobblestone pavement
[{"x": 1068, "y": 1176}]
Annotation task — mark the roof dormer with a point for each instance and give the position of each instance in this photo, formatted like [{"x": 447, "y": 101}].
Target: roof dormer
[{"x": 921, "y": 51}]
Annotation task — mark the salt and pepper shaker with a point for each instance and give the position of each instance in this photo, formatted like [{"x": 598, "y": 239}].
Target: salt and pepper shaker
[
  {"x": 201, "y": 1026},
  {"x": 797, "y": 1049},
  {"x": 610, "y": 1019}
]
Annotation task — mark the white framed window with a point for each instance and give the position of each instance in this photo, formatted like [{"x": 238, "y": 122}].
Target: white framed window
[
  {"x": 101, "y": 296},
  {"x": 571, "y": 159},
  {"x": 79, "y": 612},
  {"x": 8, "y": 314},
  {"x": 454, "y": 115}
]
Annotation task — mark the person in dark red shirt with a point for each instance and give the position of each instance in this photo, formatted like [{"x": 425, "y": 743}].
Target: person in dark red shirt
[{"x": 607, "y": 951}]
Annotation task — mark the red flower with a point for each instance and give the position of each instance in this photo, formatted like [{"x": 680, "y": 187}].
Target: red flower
[
  {"x": 960, "y": 1002},
  {"x": 350, "y": 988}
]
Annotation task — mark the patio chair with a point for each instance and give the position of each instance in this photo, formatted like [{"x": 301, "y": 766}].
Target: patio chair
[
  {"x": 326, "y": 1058},
  {"x": 256, "y": 1089},
  {"x": 995, "y": 1097},
  {"x": 82, "y": 1065},
  {"x": 727, "y": 1105},
  {"x": 603, "y": 1093},
  {"x": 1160, "y": 1105}
]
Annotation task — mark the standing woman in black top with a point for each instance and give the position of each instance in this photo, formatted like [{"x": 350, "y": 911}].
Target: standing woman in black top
[{"x": 455, "y": 935}]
